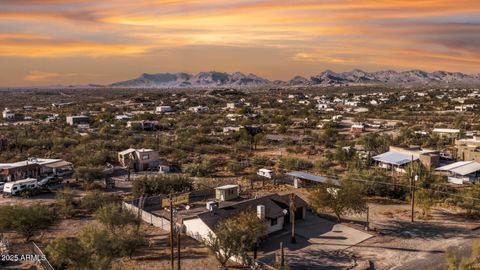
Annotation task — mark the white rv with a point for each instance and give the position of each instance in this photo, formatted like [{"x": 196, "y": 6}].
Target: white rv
[
  {"x": 15, "y": 187},
  {"x": 265, "y": 173}
]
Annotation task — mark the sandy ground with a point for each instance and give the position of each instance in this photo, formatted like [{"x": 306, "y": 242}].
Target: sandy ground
[
  {"x": 399, "y": 241},
  {"x": 155, "y": 255},
  {"x": 321, "y": 244}
]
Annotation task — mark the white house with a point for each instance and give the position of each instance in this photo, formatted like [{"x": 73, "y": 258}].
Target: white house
[
  {"x": 198, "y": 109},
  {"x": 352, "y": 103},
  {"x": 8, "y": 114},
  {"x": 337, "y": 117},
  {"x": 122, "y": 117},
  {"x": 360, "y": 110},
  {"x": 447, "y": 132},
  {"x": 227, "y": 192},
  {"x": 232, "y": 105},
  {"x": 163, "y": 109},
  {"x": 322, "y": 106},
  {"x": 464, "y": 108},
  {"x": 77, "y": 119},
  {"x": 139, "y": 159},
  {"x": 274, "y": 209}
]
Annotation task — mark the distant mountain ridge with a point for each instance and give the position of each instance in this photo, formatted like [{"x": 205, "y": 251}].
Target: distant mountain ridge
[{"x": 355, "y": 77}]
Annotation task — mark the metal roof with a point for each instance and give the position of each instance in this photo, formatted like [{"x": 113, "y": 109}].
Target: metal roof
[
  {"x": 446, "y": 130},
  {"x": 314, "y": 178},
  {"x": 126, "y": 152},
  {"x": 39, "y": 161},
  {"x": 227, "y": 187},
  {"x": 59, "y": 164},
  {"x": 453, "y": 165},
  {"x": 467, "y": 169},
  {"x": 394, "y": 158}
]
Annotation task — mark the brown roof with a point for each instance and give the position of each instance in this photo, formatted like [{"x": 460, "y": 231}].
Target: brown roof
[{"x": 274, "y": 207}]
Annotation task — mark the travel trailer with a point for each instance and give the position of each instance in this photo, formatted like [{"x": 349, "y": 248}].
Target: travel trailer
[
  {"x": 265, "y": 173},
  {"x": 15, "y": 187}
]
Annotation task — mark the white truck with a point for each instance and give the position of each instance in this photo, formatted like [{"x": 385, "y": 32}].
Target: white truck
[{"x": 16, "y": 187}]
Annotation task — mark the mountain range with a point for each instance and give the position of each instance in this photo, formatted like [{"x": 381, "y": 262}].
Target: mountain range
[{"x": 327, "y": 78}]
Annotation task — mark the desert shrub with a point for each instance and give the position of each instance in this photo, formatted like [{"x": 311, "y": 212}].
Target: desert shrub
[
  {"x": 161, "y": 184},
  {"x": 26, "y": 220},
  {"x": 291, "y": 163}
]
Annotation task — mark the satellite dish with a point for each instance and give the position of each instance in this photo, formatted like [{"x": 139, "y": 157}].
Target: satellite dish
[
  {"x": 285, "y": 211},
  {"x": 187, "y": 207}
]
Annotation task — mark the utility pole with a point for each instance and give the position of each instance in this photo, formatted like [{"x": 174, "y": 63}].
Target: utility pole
[
  {"x": 172, "y": 255},
  {"x": 282, "y": 259},
  {"x": 292, "y": 216},
  {"x": 368, "y": 218},
  {"x": 178, "y": 250},
  {"x": 412, "y": 191}
]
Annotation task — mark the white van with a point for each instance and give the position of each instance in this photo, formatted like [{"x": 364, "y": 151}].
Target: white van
[{"x": 15, "y": 187}]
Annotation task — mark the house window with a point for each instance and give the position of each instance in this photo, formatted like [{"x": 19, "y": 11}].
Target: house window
[
  {"x": 273, "y": 222},
  {"x": 144, "y": 157}
]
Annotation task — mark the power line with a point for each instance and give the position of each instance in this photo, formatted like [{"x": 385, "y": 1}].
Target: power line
[{"x": 408, "y": 186}]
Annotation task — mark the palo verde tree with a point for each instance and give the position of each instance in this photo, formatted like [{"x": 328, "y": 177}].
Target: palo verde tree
[
  {"x": 235, "y": 236},
  {"x": 94, "y": 199},
  {"x": 114, "y": 218},
  {"x": 26, "y": 220},
  {"x": 469, "y": 201},
  {"x": 65, "y": 200},
  {"x": 345, "y": 199},
  {"x": 161, "y": 184},
  {"x": 95, "y": 247}
]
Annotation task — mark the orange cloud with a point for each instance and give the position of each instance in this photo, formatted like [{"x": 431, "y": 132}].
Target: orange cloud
[
  {"x": 40, "y": 76},
  {"x": 68, "y": 50},
  {"x": 306, "y": 34}
]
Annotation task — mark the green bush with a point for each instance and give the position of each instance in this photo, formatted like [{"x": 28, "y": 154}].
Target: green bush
[
  {"x": 94, "y": 199},
  {"x": 26, "y": 220},
  {"x": 161, "y": 184},
  {"x": 290, "y": 163}
]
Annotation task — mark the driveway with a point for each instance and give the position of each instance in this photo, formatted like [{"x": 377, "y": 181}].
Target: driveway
[{"x": 320, "y": 244}]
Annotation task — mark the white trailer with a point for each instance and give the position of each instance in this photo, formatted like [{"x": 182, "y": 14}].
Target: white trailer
[
  {"x": 15, "y": 187},
  {"x": 265, "y": 173}
]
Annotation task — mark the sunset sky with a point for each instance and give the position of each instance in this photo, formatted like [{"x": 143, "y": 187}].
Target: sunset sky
[{"x": 45, "y": 42}]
